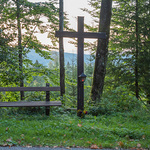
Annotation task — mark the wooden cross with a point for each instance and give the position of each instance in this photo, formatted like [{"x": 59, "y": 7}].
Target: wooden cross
[{"x": 80, "y": 54}]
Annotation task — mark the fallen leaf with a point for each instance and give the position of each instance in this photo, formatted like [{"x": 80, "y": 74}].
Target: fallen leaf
[
  {"x": 28, "y": 146},
  {"x": 138, "y": 145},
  {"x": 5, "y": 145},
  {"x": 47, "y": 146},
  {"x": 79, "y": 125},
  {"x": 143, "y": 137},
  {"x": 100, "y": 147},
  {"x": 121, "y": 144},
  {"x": 88, "y": 142},
  {"x": 94, "y": 146},
  {"x": 68, "y": 148},
  {"x": 8, "y": 140},
  {"x": 7, "y": 129}
]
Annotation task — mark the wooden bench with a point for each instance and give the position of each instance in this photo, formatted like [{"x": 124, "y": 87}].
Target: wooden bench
[{"x": 46, "y": 103}]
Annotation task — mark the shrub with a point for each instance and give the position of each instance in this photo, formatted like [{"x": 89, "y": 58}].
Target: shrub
[{"x": 120, "y": 100}]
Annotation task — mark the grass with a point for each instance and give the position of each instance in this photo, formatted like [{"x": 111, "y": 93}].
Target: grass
[{"x": 122, "y": 130}]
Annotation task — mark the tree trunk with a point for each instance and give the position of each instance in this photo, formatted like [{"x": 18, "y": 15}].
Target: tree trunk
[
  {"x": 137, "y": 54},
  {"x": 20, "y": 50},
  {"x": 61, "y": 50},
  {"x": 102, "y": 51}
]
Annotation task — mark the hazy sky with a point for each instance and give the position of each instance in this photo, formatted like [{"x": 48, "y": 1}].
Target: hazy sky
[{"x": 72, "y": 8}]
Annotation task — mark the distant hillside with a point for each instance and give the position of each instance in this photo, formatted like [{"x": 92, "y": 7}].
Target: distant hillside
[{"x": 69, "y": 58}]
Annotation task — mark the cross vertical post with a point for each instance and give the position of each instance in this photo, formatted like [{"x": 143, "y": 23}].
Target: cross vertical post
[{"x": 80, "y": 64}]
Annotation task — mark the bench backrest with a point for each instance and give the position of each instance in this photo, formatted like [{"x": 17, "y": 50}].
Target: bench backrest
[{"x": 29, "y": 88}]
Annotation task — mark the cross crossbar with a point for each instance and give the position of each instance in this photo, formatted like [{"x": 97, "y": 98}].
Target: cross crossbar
[{"x": 101, "y": 35}]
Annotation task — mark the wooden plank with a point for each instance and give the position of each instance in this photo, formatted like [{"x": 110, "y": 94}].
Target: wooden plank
[
  {"x": 83, "y": 35},
  {"x": 30, "y": 104},
  {"x": 29, "y": 88}
]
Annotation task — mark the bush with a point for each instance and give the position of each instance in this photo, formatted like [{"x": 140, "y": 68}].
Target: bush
[
  {"x": 121, "y": 100},
  {"x": 118, "y": 100}
]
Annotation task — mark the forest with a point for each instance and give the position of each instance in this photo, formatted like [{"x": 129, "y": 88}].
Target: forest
[{"x": 118, "y": 69}]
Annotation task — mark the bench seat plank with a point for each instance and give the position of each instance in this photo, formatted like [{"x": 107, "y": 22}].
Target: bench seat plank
[{"x": 30, "y": 104}]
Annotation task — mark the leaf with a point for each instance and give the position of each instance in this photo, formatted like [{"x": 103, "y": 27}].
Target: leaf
[
  {"x": 22, "y": 135},
  {"x": 94, "y": 146},
  {"x": 28, "y": 146},
  {"x": 88, "y": 142},
  {"x": 121, "y": 144},
  {"x": 138, "y": 145},
  {"x": 7, "y": 129},
  {"x": 5, "y": 145},
  {"x": 9, "y": 140},
  {"x": 143, "y": 137},
  {"x": 79, "y": 125}
]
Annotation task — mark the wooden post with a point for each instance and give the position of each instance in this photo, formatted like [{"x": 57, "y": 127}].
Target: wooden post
[
  {"x": 80, "y": 64},
  {"x": 47, "y": 108}
]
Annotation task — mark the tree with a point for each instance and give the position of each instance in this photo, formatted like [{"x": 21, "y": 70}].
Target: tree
[
  {"x": 20, "y": 20},
  {"x": 128, "y": 55},
  {"x": 61, "y": 49},
  {"x": 131, "y": 36},
  {"x": 102, "y": 51}
]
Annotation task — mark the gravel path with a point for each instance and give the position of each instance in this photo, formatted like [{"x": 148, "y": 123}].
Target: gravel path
[{"x": 44, "y": 148}]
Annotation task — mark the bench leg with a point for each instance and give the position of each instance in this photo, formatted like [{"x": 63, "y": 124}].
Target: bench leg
[{"x": 47, "y": 108}]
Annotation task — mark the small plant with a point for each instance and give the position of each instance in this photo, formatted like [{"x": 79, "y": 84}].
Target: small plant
[
  {"x": 97, "y": 110},
  {"x": 81, "y": 113}
]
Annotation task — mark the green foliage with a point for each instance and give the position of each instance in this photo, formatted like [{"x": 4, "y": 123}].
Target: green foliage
[
  {"x": 121, "y": 100},
  {"x": 29, "y": 18},
  {"x": 123, "y": 45}
]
